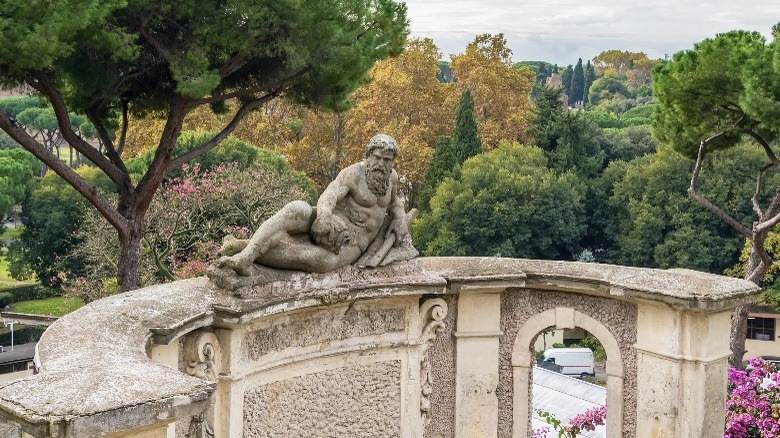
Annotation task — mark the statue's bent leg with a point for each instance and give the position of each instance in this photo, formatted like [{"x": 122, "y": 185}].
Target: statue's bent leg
[{"x": 294, "y": 218}]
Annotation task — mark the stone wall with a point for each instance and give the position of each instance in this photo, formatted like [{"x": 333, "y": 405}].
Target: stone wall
[
  {"x": 354, "y": 401},
  {"x": 619, "y": 317},
  {"x": 442, "y": 355},
  {"x": 426, "y": 356}
]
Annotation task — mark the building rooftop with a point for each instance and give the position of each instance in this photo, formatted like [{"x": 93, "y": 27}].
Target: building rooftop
[
  {"x": 24, "y": 352},
  {"x": 564, "y": 397}
]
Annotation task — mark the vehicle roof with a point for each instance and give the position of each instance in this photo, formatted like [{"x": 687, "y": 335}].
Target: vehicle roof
[{"x": 568, "y": 350}]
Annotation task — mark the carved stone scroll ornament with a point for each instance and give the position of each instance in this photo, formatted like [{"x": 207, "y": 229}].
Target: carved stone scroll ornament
[
  {"x": 202, "y": 355},
  {"x": 432, "y": 313}
]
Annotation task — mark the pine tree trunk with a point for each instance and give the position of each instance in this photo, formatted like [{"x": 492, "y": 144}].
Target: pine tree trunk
[
  {"x": 740, "y": 317},
  {"x": 738, "y": 333},
  {"x": 129, "y": 264}
]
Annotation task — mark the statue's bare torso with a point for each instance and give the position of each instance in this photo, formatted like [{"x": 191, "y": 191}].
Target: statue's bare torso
[{"x": 349, "y": 215}]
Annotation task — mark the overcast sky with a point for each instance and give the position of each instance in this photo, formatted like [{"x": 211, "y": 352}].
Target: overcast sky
[{"x": 560, "y": 31}]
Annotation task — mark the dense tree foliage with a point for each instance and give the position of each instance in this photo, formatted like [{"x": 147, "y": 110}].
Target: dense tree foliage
[
  {"x": 605, "y": 88},
  {"x": 451, "y": 152},
  {"x": 569, "y": 139},
  {"x": 542, "y": 70},
  {"x": 106, "y": 59},
  {"x": 577, "y": 84},
  {"x": 507, "y": 203},
  {"x": 406, "y": 101},
  {"x": 589, "y": 77},
  {"x": 657, "y": 225},
  {"x": 51, "y": 215},
  {"x": 17, "y": 170},
  {"x": 723, "y": 92},
  {"x": 502, "y": 94},
  {"x": 566, "y": 77}
]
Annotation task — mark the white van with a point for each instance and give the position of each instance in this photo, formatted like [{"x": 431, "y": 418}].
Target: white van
[{"x": 573, "y": 361}]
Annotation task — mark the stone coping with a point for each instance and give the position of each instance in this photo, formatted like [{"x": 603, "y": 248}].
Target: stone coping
[
  {"x": 96, "y": 376},
  {"x": 678, "y": 287}
]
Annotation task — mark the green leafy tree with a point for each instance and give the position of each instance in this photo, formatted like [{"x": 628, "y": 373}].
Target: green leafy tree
[
  {"x": 507, "y": 203},
  {"x": 6, "y": 142},
  {"x": 577, "y": 83},
  {"x": 725, "y": 91},
  {"x": 451, "y": 152},
  {"x": 542, "y": 70},
  {"x": 110, "y": 58},
  {"x": 629, "y": 143},
  {"x": 17, "y": 171},
  {"x": 589, "y": 77},
  {"x": 445, "y": 73},
  {"x": 51, "y": 215},
  {"x": 658, "y": 225},
  {"x": 566, "y": 78},
  {"x": 570, "y": 140},
  {"x": 15, "y": 105},
  {"x": 605, "y": 88}
]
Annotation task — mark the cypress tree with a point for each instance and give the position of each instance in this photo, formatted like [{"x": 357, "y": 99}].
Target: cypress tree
[
  {"x": 566, "y": 78},
  {"x": 590, "y": 76},
  {"x": 577, "y": 83},
  {"x": 452, "y": 152},
  {"x": 465, "y": 138}
]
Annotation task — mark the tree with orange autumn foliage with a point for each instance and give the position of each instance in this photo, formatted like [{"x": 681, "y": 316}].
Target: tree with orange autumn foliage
[
  {"x": 406, "y": 101},
  {"x": 502, "y": 94}
]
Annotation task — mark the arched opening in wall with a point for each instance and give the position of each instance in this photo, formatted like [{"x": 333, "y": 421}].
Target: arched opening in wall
[
  {"x": 568, "y": 383},
  {"x": 559, "y": 387}
]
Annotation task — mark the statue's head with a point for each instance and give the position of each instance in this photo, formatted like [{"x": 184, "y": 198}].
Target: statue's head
[
  {"x": 380, "y": 154},
  {"x": 382, "y": 142}
]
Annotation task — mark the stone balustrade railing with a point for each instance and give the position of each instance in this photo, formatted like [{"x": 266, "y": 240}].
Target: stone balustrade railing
[{"x": 439, "y": 347}]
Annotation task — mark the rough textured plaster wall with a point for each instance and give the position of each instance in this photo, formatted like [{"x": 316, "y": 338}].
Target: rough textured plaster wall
[
  {"x": 356, "y": 401},
  {"x": 329, "y": 325},
  {"x": 183, "y": 425},
  {"x": 619, "y": 317},
  {"x": 442, "y": 355}
]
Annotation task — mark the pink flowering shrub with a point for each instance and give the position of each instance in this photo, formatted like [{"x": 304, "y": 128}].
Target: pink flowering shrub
[
  {"x": 587, "y": 420},
  {"x": 753, "y": 404},
  {"x": 185, "y": 224}
]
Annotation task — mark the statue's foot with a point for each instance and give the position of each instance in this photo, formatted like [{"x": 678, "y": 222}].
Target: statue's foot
[
  {"x": 241, "y": 265},
  {"x": 231, "y": 246}
]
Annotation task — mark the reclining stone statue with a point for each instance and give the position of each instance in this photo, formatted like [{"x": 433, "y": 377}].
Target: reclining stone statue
[{"x": 359, "y": 219}]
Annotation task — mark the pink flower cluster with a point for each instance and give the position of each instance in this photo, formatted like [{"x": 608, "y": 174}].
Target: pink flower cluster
[
  {"x": 587, "y": 420},
  {"x": 753, "y": 404}
]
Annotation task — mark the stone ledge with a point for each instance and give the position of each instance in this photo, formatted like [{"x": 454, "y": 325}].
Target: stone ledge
[
  {"x": 95, "y": 368},
  {"x": 679, "y": 287},
  {"x": 95, "y": 365}
]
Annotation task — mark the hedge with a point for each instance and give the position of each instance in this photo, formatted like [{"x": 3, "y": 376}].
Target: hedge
[{"x": 25, "y": 292}]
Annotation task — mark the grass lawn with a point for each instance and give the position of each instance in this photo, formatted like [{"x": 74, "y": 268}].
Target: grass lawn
[
  {"x": 11, "y": 233},
  {"x": 57, "y": 306}
]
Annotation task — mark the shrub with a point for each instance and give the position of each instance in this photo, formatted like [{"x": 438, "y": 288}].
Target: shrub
[
  {"x": 5, "y": 299},
  {"x": 26, "y": 292},
  {"x": 753, "y": 403}
]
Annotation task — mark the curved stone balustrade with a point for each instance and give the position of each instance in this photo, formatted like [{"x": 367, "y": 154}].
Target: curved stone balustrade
[{"x": 438, "y": 347}]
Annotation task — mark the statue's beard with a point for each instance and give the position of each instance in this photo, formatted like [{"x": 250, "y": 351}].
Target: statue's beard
[{"x": 377, "y": 179}]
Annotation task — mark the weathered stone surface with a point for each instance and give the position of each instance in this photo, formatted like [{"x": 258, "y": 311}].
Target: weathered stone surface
[
  {"x": 679, "y": 287},
  {"x": 620, "y": 317},
  {"x": 322, "y": 327},
  {"x": 269, "y": 284},
  {"x": 97, "y": 376},
  {"x": 354, "y": 401},
  {"x": 94, "y": 362},
  {"x": 442, "y": 357}
]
